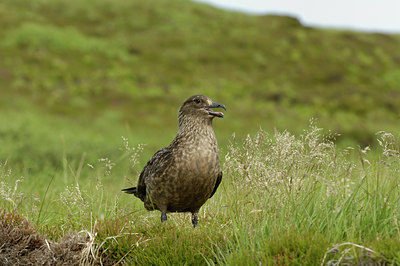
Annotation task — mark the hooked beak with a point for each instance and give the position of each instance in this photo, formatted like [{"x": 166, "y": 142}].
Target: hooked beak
[{"x": 215, "y": 105}]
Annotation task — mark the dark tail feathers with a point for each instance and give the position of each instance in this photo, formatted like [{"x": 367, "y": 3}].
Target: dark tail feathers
[{"x": 131, "y": 190}]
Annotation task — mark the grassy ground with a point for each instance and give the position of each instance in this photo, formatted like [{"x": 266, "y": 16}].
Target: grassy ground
[
  {"x": 285, "y": 199},
  {"x": 78, "y": 79}
]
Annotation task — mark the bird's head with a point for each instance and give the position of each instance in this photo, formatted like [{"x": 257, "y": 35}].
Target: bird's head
[{"x": 199, "y": 108}]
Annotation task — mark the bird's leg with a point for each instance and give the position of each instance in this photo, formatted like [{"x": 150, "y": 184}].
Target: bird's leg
[
  {"x": 194, "y": 219},
  {"x": 163, "y": 217}
]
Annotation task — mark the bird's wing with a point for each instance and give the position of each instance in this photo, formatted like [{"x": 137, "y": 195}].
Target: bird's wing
[
  {"x": 155, "y": 166},
  {"x": 219, "y": 179}
]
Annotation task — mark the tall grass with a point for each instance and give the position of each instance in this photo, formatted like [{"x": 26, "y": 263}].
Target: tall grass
[
  {"x": 305, "y": 187},
  {"x": 284, "y": 199}
]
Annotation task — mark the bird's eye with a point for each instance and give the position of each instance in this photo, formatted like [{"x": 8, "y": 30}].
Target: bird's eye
[{"x": 196, "y": 101}]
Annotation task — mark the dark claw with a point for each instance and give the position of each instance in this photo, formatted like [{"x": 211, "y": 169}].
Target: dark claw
[{"x": 163, "y": 217}]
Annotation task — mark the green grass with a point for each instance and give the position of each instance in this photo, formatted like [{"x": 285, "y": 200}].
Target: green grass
[
  {"x": 139, "y": 60},
  {"x": 77, "y": 76},
  {"x": 285, "y": 199}
]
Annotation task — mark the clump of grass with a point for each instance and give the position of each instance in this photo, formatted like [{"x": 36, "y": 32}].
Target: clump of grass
[
  {"x": 350, "y": 254},
  {"x": 390, "y": 145},
  {"x": 282, "y": 165},
  {"x": 7, "y": 193}
]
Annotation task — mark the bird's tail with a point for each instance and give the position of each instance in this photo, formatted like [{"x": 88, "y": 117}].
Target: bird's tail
[{"x": 131, "y": 190}]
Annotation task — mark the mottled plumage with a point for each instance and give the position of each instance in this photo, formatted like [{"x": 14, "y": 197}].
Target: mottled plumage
[{"x": 182, "y": 176}]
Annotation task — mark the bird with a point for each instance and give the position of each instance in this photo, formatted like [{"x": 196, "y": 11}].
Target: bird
[{"x": 184, "y": 175}]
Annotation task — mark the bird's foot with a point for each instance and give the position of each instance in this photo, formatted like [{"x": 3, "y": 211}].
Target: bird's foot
[
  {"x": 194, "y": 220},
  {"x": 163, "y": 217}
]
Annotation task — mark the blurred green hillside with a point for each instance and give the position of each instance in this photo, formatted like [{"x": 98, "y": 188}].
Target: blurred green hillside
[{"x": 111, "y": 68}]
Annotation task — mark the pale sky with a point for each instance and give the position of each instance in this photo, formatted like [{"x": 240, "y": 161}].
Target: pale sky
[{"x": 362, "y": 15}]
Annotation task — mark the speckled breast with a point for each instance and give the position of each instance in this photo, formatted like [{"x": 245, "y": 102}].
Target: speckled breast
[{"x": 195, "y": 177}]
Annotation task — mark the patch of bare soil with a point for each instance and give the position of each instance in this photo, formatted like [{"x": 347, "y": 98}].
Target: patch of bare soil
[{"x": 21, "y": 244}]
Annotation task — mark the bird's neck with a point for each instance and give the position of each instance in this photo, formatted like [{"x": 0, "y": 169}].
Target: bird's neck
[
  {"x": 191, "y": 126},
  {"x": 194, "y": 131}
]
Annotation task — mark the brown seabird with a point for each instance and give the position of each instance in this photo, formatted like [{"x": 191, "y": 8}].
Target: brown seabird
[{"x": 184, "y": 175}]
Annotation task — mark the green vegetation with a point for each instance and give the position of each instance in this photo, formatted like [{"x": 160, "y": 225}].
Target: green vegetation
[
  {"x": 285, "y": 199},
  {"x": 138, "y": 60},
  {"x": 76, "y": 76}
]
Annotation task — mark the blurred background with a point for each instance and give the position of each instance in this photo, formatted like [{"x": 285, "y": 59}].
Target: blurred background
[{"x": 76, "y": 75}]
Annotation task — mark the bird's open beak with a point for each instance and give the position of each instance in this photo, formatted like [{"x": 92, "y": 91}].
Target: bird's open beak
[{"x": 215, "y": 105}]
